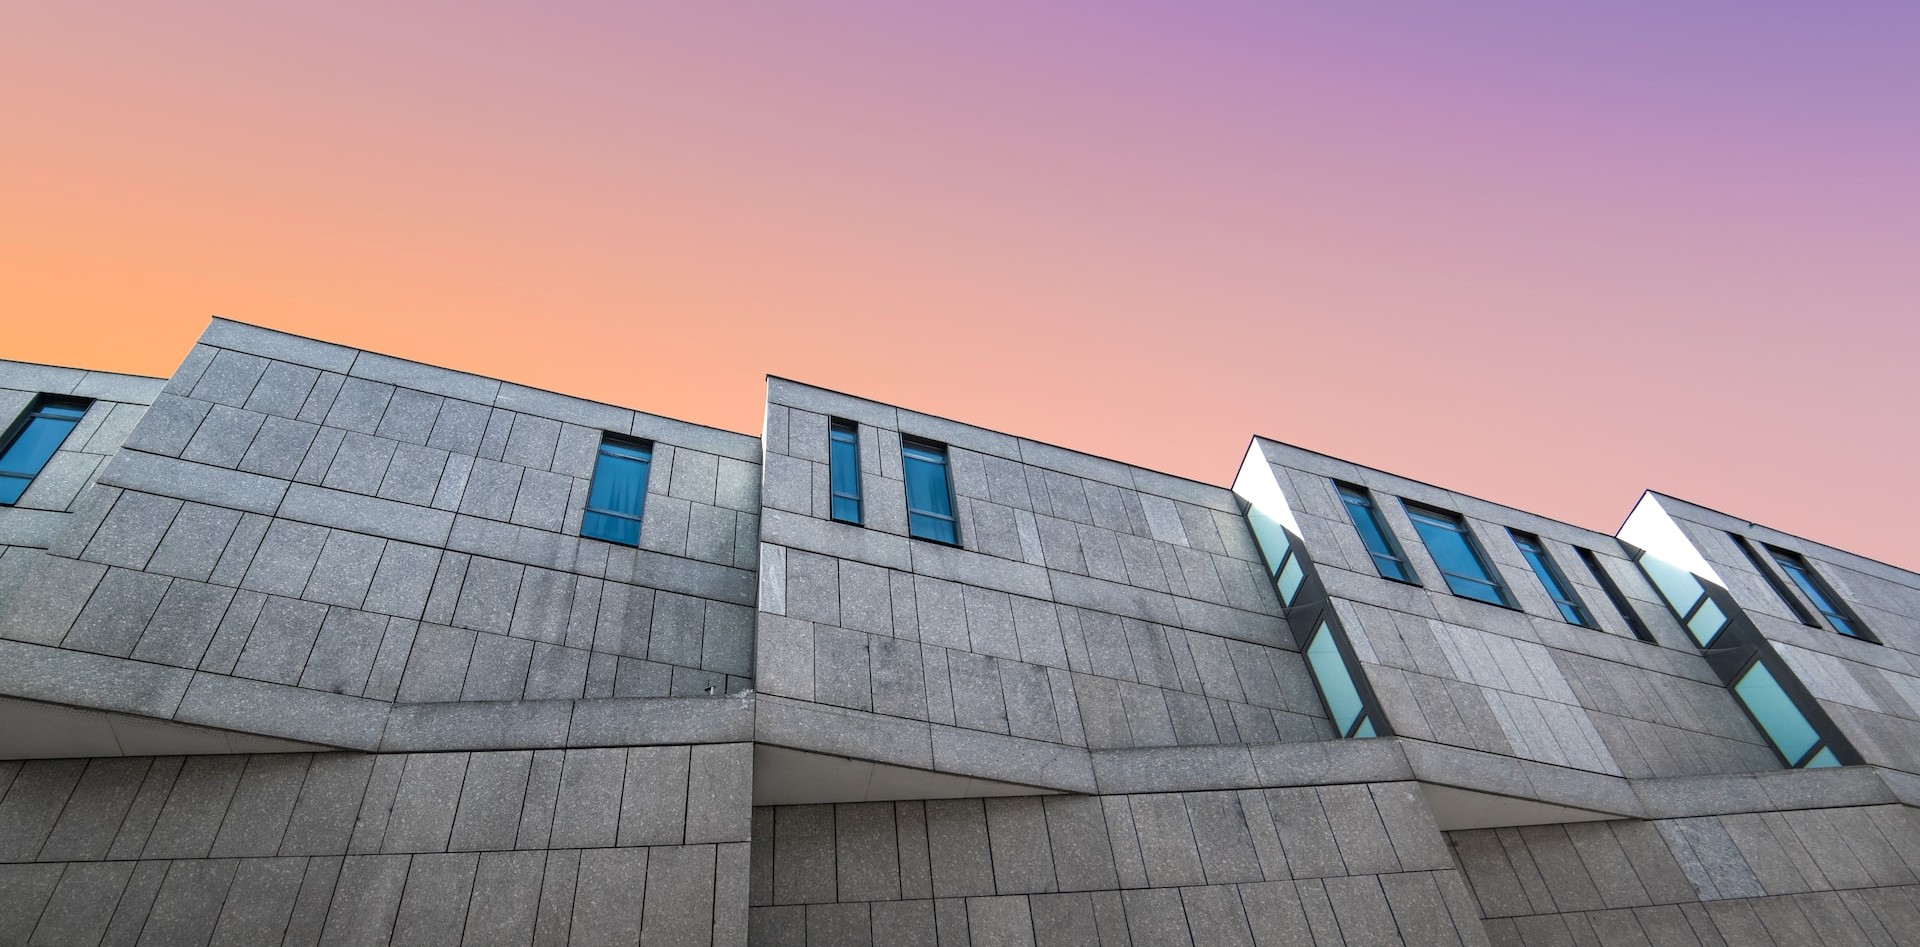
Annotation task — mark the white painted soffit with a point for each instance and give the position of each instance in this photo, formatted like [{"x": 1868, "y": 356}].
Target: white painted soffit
[
  {"x": 787, "y": 777},
  {"x": 1653, "y": 529},
  {"x": 31, "y": 730}
]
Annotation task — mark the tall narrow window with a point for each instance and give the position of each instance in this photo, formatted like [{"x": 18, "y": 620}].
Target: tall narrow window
[
  {"x": 618, "y": 497},
  {"x": 1617, "y": 597},
  {"x": 1386, "y": 553},
  {"x": 1458, "y": 556},
  {"x": 843, "y": 470},
  {"x": 33, "y": 439},
  {"x": 1796, "y": 740},
  {"x": 1345, "y": 706},
  {"x": 929, "y": 492},
  {"x": 1838, "y": 614},
  {"x": 1780, "y": 589},
  {"x": 1556, "y": 584},
  {"x": 1704, "y": 617}
]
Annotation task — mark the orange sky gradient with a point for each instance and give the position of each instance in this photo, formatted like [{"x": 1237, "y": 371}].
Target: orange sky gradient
[{"x": 1547, "y": 257}]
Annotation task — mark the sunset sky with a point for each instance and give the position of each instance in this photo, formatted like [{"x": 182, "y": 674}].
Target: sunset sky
[{"x": 1545, "y": 253}]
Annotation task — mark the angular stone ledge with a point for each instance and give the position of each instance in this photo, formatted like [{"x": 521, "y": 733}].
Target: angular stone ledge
[
  {"x": 803, "y": 725},
  {"x": 1012, "y": 759},
  {"x": 186, "y": 480},
  {"x": 1685, "y": 796},
  {"x": 373, "y": 516},
  {"x": 126, "y": 389},
  {"x": 828, "y": 538},
  {"x": 428, "y": 378},
  {"x": 278, "y": 710},
  {"x": 1174, "y": 769},
  {"x": 271, "y": 343},
  {"x": 799, "y": 394},
  {"x": 659, "y": 721},
  {"x": 1521, "y": 779},
  {"x": 478, "y": 725},
  {"x": 96, "y": 681},
  {"x": 974, "y": 568},
  {"x": 1330, "y": 762}
]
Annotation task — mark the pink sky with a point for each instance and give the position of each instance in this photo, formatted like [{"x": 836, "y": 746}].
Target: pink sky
[{"x": 1547, "y": 254}]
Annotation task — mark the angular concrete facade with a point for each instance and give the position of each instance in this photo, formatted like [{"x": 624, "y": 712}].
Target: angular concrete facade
[{"x": 303, "y": 645}]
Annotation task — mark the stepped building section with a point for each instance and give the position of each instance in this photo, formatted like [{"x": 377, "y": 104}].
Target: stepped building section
[{"x": 309, "y": 645}]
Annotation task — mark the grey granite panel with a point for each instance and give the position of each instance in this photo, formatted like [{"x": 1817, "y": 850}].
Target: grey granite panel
[
  {"x": 903, "y": 923},
  {"x": 719, "y": 793},
  {"x": 1361, "y": 908},
  {"x": 1226, "y": 843},
  {"x": 1156, "y": 916},
  {"x": 223, "y": 438},
  {"x": 51, "y": 674},
  {"x": 490, "y": 798},
  {"x": 140, "y": 817},
  {"x": 1023, "y": 861},
  {"x": 588, "y": 810},
  {"x": 433, "y": 909},
  {"x": 284, "y": 562},
  {"x": 323, "y": 816},
  {"x": 958, "y": 843},
  {"x": 188, "y": 905},
  {"x": 478, "y": 725},
  {"x": 679, "y": 623},
  {"x": 653, "y": 808},
  {"x": 194, "y": 541},
  {"x": 168, "y": 425},
  {"x": 260, "y": 903},
  {"x": 771, "y": 926},
  {"x": 281, "y": 640},
  {"x": 950, "y": 920},
  {"x": 262, "y": 806},
  {"x": 506, "y": 897},
  {"x": 364, "y": 514},
  {"x": 803, "y": 855},
  {"x": 916, "y": 867},
  {"x": 230, "y": 378},
  {"x": 184, "y": 624},
  {"x": 283, "y": 389},
  {"x": 274, "y": 710},
  {"x": 132, "y": 530},
  {"x": 191, "y": 817},
  {"x": 366, "y": 900},
  {"x": 92, "y": 813},
  {"x": 424, "y": 805},
  {"x": 310, "y": 904},
  {"x": 32, "y": 805},
  {"x": 1304, "y": 833},
  {"x": 227, "y": 334},
  {"x": 185, "y": 480},
  {"x": 866, "y": 852},
  {"x": 848, "y": 925},
  {"x": 679, "y": 908},
  {"x": 343, "y": 653},
  {"x": 553, "y": 919},
  {"x": 498, "y": 670}
]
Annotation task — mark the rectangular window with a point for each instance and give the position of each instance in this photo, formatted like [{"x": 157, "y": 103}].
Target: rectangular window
[
  {"x": 1387, "y": 557},
  {"x": 1820, "y": 594},
  {"x": 31, "y": 441},
  {"x": 929, "y": 492},
  {"x": 843, "y": 470},
  {"x": 1458, "y": 556},
  {"x": 1687, "y": 597},
  {"x": 1780, "y": 589},
  {"x": 618, "y": 497},
  {"x": 1556, "y": 584},
  {"x": 1617, "y": 597},
  {"x": 1344, "y": 704},
  {"x": 1780, "y": 719}
]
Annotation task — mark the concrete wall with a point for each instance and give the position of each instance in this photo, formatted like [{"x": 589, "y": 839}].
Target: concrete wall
[
  {"x": 318, "y": 533},
  {"x": 1870, "y": 690},
  {"x": 1328, "y": 864},
  {"x": 1519, "y": 683},
  {"x": 1090, "y": 604},
  {"x": 578, "y": 846}
]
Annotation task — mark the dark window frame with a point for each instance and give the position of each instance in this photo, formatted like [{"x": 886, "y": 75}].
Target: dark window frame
[
  {"x": 619, "y": 443},
  {"x": 1551, "y": 578},
  {"x": 1619, "y": 598},
  {"x": 1449, "y": 520},
  {"x": 936, "y": 453},
  {"x": 1839, "y": 615},
  {"x": 1359, "y": 503},
  {"x": 843, "y": 432},
  {"x": 37, "y": 410},
  {"x": 1774, "y": 581}
]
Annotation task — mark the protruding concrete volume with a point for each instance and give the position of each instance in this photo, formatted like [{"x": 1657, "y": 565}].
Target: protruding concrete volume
[{"x": 305, "y": 645}]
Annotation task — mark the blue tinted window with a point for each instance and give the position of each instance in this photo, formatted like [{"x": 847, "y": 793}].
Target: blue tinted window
[
  {"x": 1373, "y": 532},
  {"x": 1467, "y": 574},
  {"x": 1344, "y": 704},
  {"x": 1780, "y": 589},
  {"x": 36, "y": 435},
  {"x": 618, "y": 496},
  {"x": 1687, "y": 597},
  {"x": 843, "y": 468},
  {"x": 1818, "y": 593},
  {"x": 1551, "y": 579},
  {"x": 1785, "y": 726},
  {"x": 929, "y": 492}
]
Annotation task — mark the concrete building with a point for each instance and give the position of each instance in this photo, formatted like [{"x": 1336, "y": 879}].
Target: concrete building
[{"x": 310, "y": 645}]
